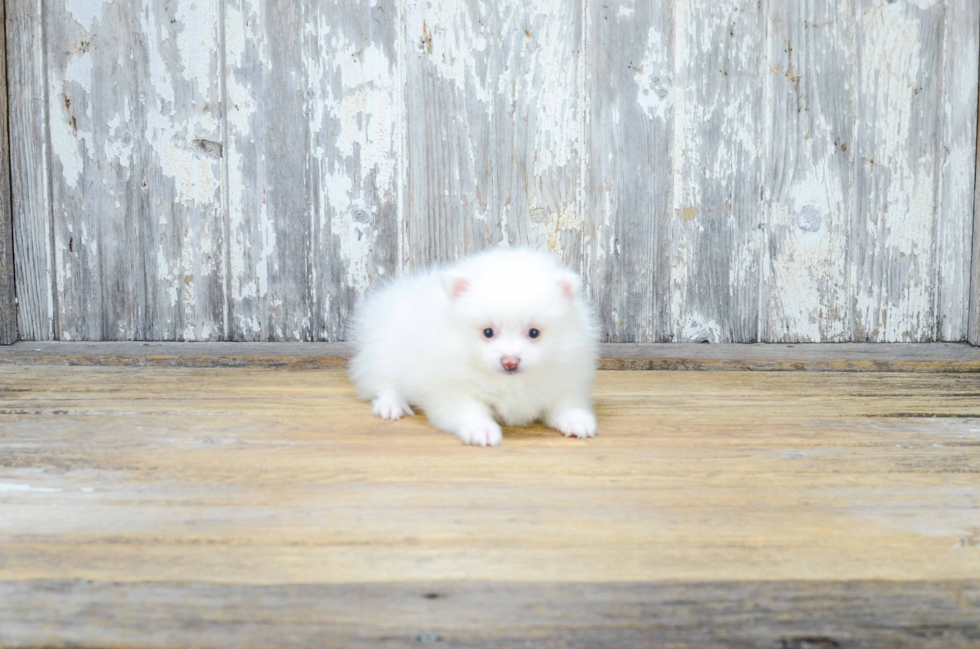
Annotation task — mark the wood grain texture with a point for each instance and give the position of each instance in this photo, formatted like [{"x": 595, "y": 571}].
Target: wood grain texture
[
  {"x": 771, "y": 505},
  {"x": 8, "y": 304},
  {"x": 898, "y": 143},
  {"x": 973, "y": 329},
  {"x": 312, "y": 140},
  {"x": 538, "y": 113},
  {"x": 135, "y": 131},
  {"x": 734, "y": 172},
  {"x": 628, "y": 243},
  {"x": 809, "y": 176},
  {"x": 29, "y": 170},
  {"x": 356, "y": 144},
  {"x": 451, "y": 206},
  {"x": 955, "y": 214},
  {"x": 269, "y": 159},
  {"x": 823, "y": 357},
  {"x": 794, "y": 615},
  {"x": 719, "y": 145}
]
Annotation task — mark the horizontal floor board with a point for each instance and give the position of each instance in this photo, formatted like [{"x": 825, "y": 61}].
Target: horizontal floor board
[
  {"x": 767, "y": 615},
  {"x": 838, "y": 357}
]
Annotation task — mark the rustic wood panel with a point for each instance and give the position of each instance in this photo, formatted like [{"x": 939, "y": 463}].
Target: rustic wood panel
[
  {"x": 628, "y": 244},
  {"x": 354, "y": 122},
  {"x": 29, "y": 171},
  {"x": 8, "y": 305},
  {"x": 492, "y": 615},
  {"x": 718, "y": 151},
  {"x": 312, "y": 142},
  {"x": 538, "y": 127},
  {"x": 898, "y": 142},
  {"x": 954, "y": 230},
  {"x": 764, "y": 357},
  {"x": 451, "y": 203},
  {"x": 974, "y": 324},
  {"x": 233, "y": 169},
  {"x": 809, "y": 175},
  {"x": 268, "y": 167},
  {"x": 768, "y": 505},
  {"x": 135, "y": 131}
]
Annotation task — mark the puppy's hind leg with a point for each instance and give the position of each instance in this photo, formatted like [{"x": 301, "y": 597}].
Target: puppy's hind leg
[{"x": 389, "y": 405}]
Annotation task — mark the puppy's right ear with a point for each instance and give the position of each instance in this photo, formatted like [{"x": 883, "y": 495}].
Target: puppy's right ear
[{"x": 455, "y": 284}]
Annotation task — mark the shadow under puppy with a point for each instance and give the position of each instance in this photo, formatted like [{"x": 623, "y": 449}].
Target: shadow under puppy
[{"x": 503, "y": 336}]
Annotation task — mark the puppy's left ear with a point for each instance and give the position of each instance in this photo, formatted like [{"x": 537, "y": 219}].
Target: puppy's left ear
[
  {"x": 454, "y": 284},
  {"x": 570, "y": 285}
]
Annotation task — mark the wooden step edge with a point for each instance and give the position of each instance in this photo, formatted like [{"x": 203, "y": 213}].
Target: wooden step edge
[{"x": 820, "y": 357}]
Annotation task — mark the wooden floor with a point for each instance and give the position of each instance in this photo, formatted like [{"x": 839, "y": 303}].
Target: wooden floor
[{"x": 260, "y": 507}]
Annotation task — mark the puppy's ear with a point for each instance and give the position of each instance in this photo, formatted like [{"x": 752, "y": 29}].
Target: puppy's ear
[
  {"x": 570, "y": 285},
  {"x": 454, "y": 284}
]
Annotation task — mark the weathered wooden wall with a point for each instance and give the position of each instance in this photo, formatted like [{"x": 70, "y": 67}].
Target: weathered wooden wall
[
  {"x": 720, "y": 170},
  {"x": 8, "y": 306},
  {"x": 973, "y": 332}
]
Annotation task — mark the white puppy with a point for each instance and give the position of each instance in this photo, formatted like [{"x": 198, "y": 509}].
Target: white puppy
[{"x": 503, "y": 336}]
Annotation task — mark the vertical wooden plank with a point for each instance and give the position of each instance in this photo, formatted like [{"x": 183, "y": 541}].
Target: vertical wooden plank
[
  {"x": 717, "y": 170},
  {"x": 8, "y": 306},
  {"x": 268, "y": 150},
  {"x": 809, "y": 177},
  {"x": 898, "y": 149},
  {"x": 180, "y": 214},
  {"x": 450, "y": 204},
  {"x": 29, "y": 170},
  {"x": 312, "y": 175},
  {"x": 135, "y": 130},
  {"x": 973, "y": 332},
  {"x": 955, "y": 228},
  {"x": 629, "y": 234},
  {"x": 90, "y": 80},
  {"x": 351, "y": 66},
  {"x": 538, "y": 125}
]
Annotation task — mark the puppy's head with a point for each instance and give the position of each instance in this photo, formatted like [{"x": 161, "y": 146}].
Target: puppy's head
[{"x": 516, "y": 310}]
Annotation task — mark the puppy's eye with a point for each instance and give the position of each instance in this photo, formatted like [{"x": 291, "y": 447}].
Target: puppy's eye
[
  {"x": 488, "y": 333},
  {"x": 533, "y": 333}
]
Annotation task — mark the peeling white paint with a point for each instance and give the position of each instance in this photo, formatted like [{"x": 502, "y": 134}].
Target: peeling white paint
[
  {"x": 70, "y": 142},
  {"x": 197, "y": 30},
  {"x": 244, "y": 39},
  {"x": 894, "y": 298},
  {"x": 353, "y": 116},
  {"x": 698, "y": 329},
  {"x": 79, "y": 70},
  {"x": 652, "y": 74},
  {"x": 196, "y": 177},
  {"x": 86, "y": 12},
  {"x": 902, "y": 278},
  {"x": 449, "y": 37},
  {"x": 549, "y": 74}
]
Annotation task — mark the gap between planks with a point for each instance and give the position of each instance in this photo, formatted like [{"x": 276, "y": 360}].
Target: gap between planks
[{"x": 817, "y": 357}]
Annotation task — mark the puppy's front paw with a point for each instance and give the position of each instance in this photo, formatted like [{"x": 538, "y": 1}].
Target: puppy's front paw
[
  {"x": 480, "y": 432},
  {"x": 576, "y": 423},
  {"x": 389, "y": 406}
]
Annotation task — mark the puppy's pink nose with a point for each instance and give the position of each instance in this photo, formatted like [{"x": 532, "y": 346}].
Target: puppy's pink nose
[{"x": 510, "y": 363}]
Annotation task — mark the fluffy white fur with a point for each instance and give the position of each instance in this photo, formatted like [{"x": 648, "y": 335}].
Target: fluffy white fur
[{"x": 421, "y": 341}]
